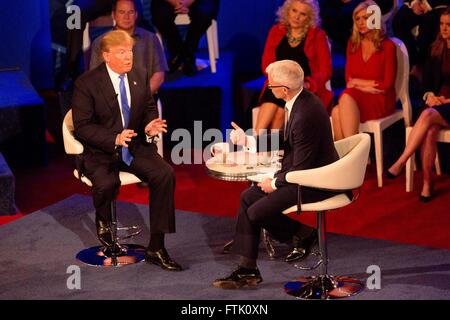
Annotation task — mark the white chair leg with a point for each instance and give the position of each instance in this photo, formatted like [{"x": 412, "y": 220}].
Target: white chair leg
[
  {"x": 159, "y": 144},
  {"x": 215, "y": 38},
  {"x": 410, "y": 166},
  {"x": 211, "y": 48},
  {"x": 437, "y": 164},
  {"x": 378, "y": 137}
]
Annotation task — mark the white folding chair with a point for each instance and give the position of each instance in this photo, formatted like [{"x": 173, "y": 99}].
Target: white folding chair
[{"x": 377, "y": 126}]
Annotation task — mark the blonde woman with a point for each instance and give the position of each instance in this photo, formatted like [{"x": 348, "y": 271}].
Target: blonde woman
[
  {"x": 296, "y": 37},
  {"x": 370, "y": 75}
]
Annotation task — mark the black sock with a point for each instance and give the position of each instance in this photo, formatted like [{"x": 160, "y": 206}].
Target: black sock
[
  {"x": 248, "y": 263},
  {"x": 156, "y": 241}
]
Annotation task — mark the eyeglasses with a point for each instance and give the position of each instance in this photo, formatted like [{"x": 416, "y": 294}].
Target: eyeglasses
[{"x": 277, "y": 86}]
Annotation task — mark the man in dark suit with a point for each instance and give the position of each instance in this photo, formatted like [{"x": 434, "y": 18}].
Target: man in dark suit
[
  {"x": 307, "y": 143},
  {"x": 116, "y": 119}
]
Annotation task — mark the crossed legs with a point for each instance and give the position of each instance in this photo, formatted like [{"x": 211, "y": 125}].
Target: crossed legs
[{"x": 424, "y": 133}]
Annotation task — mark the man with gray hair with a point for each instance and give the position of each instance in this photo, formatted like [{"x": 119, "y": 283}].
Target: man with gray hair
[{"x": 307, "y": 143}]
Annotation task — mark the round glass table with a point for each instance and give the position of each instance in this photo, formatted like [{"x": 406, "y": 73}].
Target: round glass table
[{"x": 245, "y": 166}]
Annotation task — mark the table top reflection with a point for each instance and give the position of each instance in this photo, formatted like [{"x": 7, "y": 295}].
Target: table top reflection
[{"x": 237, "y": 166}]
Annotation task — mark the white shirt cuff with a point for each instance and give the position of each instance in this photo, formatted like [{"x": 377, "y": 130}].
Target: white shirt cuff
[
  {"x": 150, "y": 139},
  {"x": 272, "y": 183}
]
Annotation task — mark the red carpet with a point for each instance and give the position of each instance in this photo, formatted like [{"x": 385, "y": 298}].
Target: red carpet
[{"x": 384, "y": 213}]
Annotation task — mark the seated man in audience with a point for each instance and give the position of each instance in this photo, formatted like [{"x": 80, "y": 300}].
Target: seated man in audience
[
  {"x": 422, "y": 13},
  {"x": 307, "y": 144},
  {"x": 116, "y": 120},
  {"x": 201, "y": 13},
  {"x": 89, "y": 11},
  {"x": 147, "y": 51}
]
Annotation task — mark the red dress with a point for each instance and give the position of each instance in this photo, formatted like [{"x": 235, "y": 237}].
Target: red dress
[{"x": 381, "y": 67}]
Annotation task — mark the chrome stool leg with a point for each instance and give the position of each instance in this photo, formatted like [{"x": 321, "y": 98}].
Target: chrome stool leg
[
  {"x": 266, "y": 239},
  {"x": 268, "y": 243},
  {"x": 323, "y": 286},
  {"x": 117, "y": 255}
]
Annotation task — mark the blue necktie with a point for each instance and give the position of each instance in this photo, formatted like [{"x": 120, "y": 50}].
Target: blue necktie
[{"x": 126, "y": 155}]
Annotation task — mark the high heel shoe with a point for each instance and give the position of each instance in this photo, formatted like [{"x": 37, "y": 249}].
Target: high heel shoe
[
  {"x": 426, "y": 199},
  {"x": 390, "y": 175}
]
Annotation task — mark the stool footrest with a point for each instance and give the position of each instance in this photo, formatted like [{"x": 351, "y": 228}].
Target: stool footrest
[
  {"x": 323, "y": 287},
  {"x": 134, "y": 231}
]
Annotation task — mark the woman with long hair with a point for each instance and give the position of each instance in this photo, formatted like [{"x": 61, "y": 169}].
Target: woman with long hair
[
  {"x": 298, "y": 37},
  {"x": 370, "y": 73},
  {"x": 436, "y": 82}
]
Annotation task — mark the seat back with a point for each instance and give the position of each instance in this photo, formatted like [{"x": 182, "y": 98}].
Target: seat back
[
  {"x": 346, "y": 173},
  {"x": 351, "y": 167},
  {"x": 402, "y": 80},
  {"x": 71, "y": 145}
]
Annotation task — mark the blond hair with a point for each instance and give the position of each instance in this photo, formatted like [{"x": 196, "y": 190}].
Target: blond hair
[
  {"x": 115, "y": 38},
  {"x": 378, "y": 34},
  {"x": 313, "y": 14}
]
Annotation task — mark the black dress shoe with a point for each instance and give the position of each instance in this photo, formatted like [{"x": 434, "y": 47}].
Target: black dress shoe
[
  {"x": 239, "y": 278},
  {"x": 162, "y": 259},
  {"x": 302, "y": 247},
  {"x": 104, "y": 232},
  {"x": 175, "y": 63}
]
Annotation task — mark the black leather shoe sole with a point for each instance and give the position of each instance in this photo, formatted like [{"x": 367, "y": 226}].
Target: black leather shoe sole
[{"x": 236, "y": 284}]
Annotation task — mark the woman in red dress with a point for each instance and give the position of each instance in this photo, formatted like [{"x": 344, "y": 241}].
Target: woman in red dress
[
  {"x": 370, "y": 75},
  {"x": 296, "y": 37}
]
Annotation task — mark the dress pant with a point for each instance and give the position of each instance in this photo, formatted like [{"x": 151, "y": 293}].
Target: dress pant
[
  {"x": 261, "y": 210},
  {"x": 104, "y": 174},
  {"x": 201, "y": 13}
]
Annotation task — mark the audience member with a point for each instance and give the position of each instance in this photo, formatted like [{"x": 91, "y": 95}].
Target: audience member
[
  {"x": 201, "y": 13},
  {"x": 89, "y": 11},
  {"x": 437, "y": 112},
  {"x": 147, "y": 51},
  {"x": 370, "y": 73},
  {"x": 337, "y": 18},
  {"x": 425, "y": 15},
  {"x": 296, "y": 37}
]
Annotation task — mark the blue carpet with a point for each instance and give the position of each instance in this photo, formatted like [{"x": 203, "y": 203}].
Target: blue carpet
[{"x": 38, "y": 249}]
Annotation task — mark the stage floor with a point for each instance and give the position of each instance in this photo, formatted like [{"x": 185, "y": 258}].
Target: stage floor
[{"x": 38, "y": 250}]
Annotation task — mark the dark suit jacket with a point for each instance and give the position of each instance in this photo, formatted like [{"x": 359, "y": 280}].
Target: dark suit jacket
[
  {"x": 309, "y": 141},
  {"x": 97, "y": 118},
  {"x": 432, "y": 74}
]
